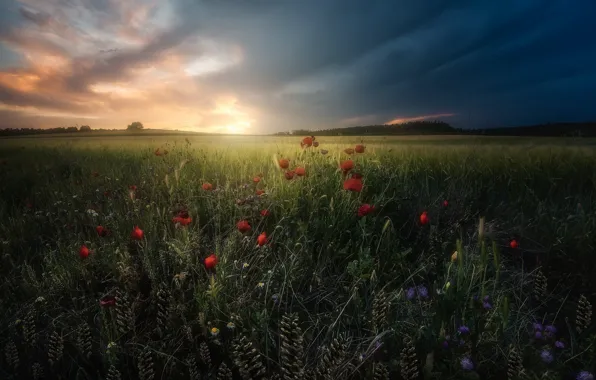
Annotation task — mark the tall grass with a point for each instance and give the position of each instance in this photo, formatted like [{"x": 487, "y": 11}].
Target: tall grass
[{"x": 334, "y": 295}]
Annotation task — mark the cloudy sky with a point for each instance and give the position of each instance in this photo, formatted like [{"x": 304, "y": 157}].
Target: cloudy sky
[{"x": 260, "y": 66}]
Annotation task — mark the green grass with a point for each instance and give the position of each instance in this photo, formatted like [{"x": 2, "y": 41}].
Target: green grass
[{"x": 328, "y": 297}]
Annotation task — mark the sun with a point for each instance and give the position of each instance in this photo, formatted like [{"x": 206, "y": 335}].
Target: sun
[
  {"x": 238, "y": 128},
  {"x": 233, "y": 129}
]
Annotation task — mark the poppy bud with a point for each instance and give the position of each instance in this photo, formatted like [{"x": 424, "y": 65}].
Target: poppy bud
[
  {"x": 424, "y": 218},
  {"x": 211, "y": 261},
  {"x": 84, "y": 252},
  {"x": 137, "y": 233}
]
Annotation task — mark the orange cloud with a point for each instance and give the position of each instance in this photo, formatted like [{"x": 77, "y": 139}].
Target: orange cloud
[
  {"x": 418, "y": 118},
  {"x": 146, "y": 76}
]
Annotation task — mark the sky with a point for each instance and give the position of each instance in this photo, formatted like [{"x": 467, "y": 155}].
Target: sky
[{"x": 264, "y": 66}]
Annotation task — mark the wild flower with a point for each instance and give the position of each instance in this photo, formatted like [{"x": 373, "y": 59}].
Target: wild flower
[
  {"x": 210, "y": 261},
  {"x": 420, "y": 291},
  {"x": 546, "y": 356},
  {"x": 463, "y": 330},
  {"x": 584, "y": 375},
  {"x": 467, "y": 364}
]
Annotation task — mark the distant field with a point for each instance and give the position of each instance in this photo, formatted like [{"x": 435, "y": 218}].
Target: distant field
[{"x": 332, "y": 275}]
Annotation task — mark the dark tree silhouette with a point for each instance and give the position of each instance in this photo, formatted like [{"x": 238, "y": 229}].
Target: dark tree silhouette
[
  {"x": 135, "y": 126},
  {"x": 85, "y": 128}
]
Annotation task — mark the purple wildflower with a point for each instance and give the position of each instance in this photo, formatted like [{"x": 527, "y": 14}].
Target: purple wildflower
[
  {"x": 422, "y": 292},
  {"x": 559, "y": 344},
  {"x": 467, "y": 364},
  {"x": 538, "y": 327},
  {"x": 410, "y": 293},
  {"x": 445, "y": 344},
  {"x": 538, "y": 335},
  {"x": 275, "y": 298},
  {"x": 486, "y": 298},
  {"x": 584, "y": 375},
  {"x": 486, "y": 305},
  {"x": 463, "y": 330},
  {"x": 550, "y": 330},
  {"x": 546, "y": 356}
]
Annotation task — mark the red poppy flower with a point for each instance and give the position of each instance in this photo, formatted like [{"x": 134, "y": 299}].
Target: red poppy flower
[
  {"x": 133, "y": 187},
  {"x": 256, "y": 179},
  {"x": 157, "y": 152},
  {"x": 315, "y": 144},
  {"x": 306, "y": 142},
  {"x": 243, "y": 226},
  {"x": 84, "y": 252},
  {"x": 262, "y": 239},
  {"x": 513, "y": 244},
  {"x": 359, "y": 148},
  {"x": 107, "y": 301},
  {"x": 265, "y": 212},
  {"x": 95, "y": 174},
  {"x": 346, "y": 165},
  {"x": 137, "y": 233},
  {"x": 181, "y": 220},
  {"x": 353, "y": 184},
  {"x": 445, "y": 203},
  {"x": 207, "y": 186},
  {"x": 101, "y": 231},
  {"x": 424, "y": 218},
  {"x": 211, "y": 261},
  {"x": 349, "y": 151},
  {"x": 289, "y": 174},
  {"x": 365, "y": 209},
  {"x": 300, "y": 171},
  {"x": 284, "y": 163},
  {"x": 260, "y": 192}
]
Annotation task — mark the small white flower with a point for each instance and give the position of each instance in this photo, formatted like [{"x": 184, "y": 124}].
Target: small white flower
[
  {"x": 260, "y": 284},
  {"x": 75, "y": 196},
  {"x": 245, "y": 265}
]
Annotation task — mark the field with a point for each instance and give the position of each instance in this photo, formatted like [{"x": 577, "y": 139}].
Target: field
[{"x": 461, "y": 257}]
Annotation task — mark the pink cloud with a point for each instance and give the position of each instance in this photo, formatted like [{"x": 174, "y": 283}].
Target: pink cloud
[{"x": 401, "y": 120}]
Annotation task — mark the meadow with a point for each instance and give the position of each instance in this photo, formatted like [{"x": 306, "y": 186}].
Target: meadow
[{"x": 181, "y": 257}]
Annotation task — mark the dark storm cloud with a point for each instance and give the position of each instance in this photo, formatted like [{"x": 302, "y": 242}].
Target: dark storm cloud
[
  {"x": 400, "y": 58},
  {"x": 116, "y": 66}
]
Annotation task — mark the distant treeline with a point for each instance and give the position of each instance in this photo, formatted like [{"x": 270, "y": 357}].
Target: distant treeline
[
  {"x": 587, "y": 129},
  {"x": 38, "y": 131},
  {"x": 410, "y": 128}
]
